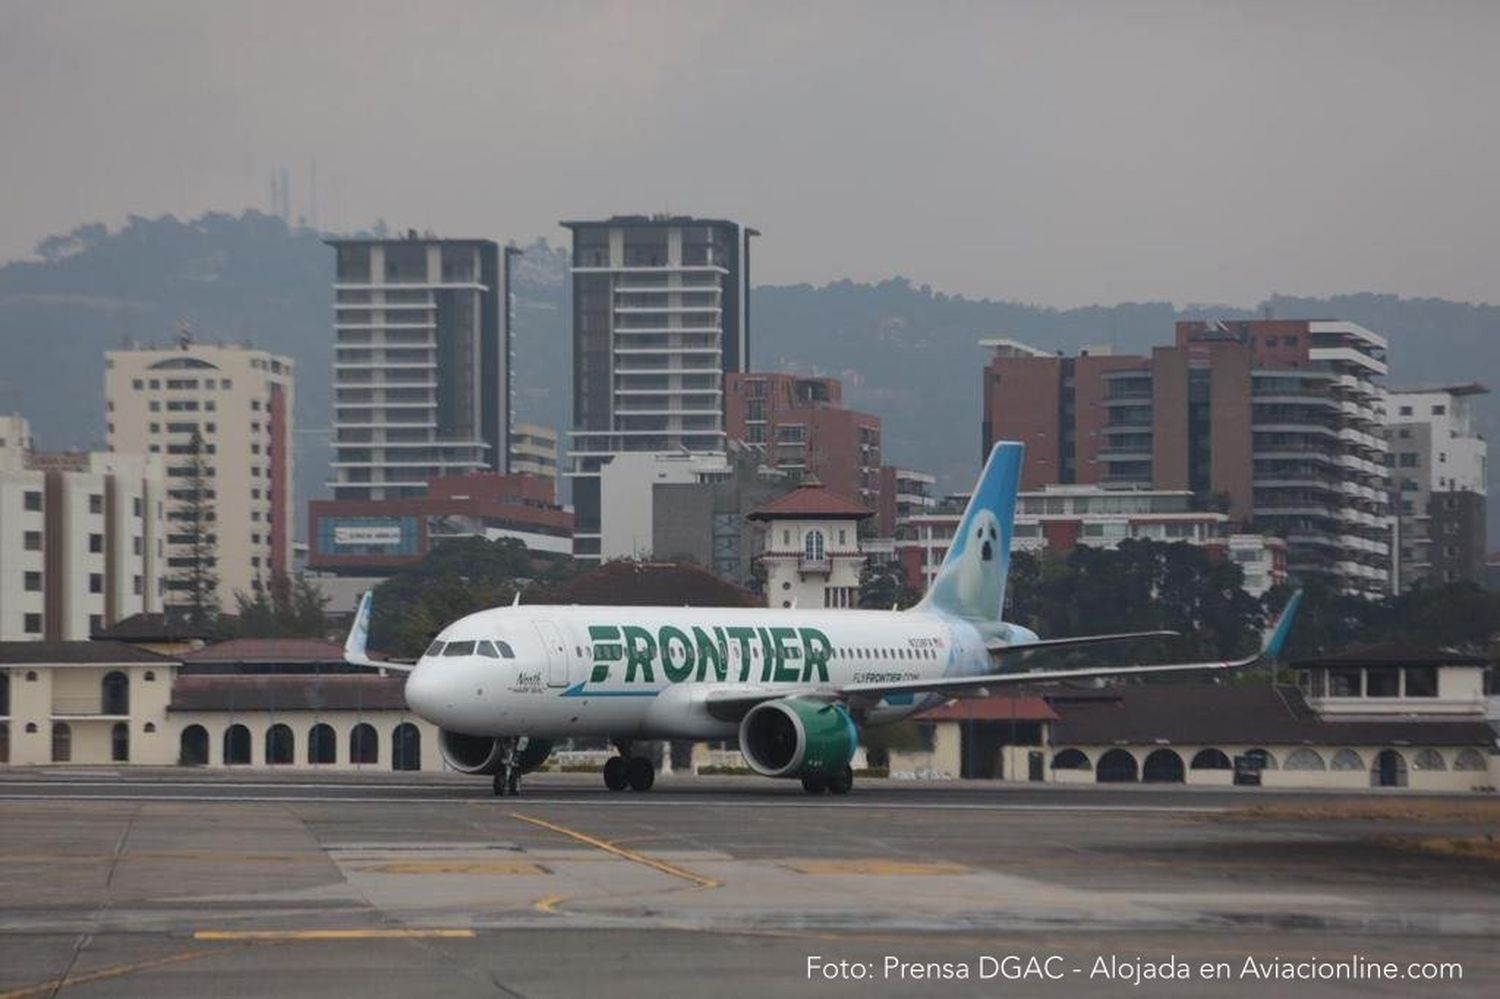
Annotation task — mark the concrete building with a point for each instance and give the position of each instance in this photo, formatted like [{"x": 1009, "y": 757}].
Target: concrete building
[
  {"x": 661, "y": 311},
  {"x": 238, "y": 402},
  {"x": 258, "y": 703},
  {"x": 1377, "y": 716},
  {"x": 802, "y": 424},
  {"x": 707, "y": 522},
  {"x": 533, "y": 451},
  {"x": 1438, "y": 485},
  {"x": 374, "y": 537},
  {"x": 626, "y": 487},
  {"x": 812, "y": 552},
  {"x": 1059, "y": 517},
  {"x": 1279, "y": 423},
  {"x": 81, "y": 538},
  {"x": 421, "y": 365},
  {"x": 904, "y": 494}
]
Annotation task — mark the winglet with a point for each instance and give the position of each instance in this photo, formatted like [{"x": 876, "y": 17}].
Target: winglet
[
  {"x": 359, "y": 633},
  {"x": 1276, "y": 635}
]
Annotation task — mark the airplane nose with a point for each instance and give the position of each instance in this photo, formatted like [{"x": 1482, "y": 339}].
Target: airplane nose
[{"x": 424, "y": 692}]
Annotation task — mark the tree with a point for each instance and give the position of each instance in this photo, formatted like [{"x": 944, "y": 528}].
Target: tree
[
  {"x": 882, "y": 586},
  {"x": 196, "y": 580},
  {"x": 287, "y": 607}
]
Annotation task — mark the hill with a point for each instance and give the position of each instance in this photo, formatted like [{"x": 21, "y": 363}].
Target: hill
[{"x": 905, "y": 351}]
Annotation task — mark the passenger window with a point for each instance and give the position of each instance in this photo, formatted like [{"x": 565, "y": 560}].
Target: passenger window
[
  {"x": 487, "y": 650},
  {"x": 459, "y": 649},
  {"x": 435, "y": 649},
  {"x": 505, "y": 649}
]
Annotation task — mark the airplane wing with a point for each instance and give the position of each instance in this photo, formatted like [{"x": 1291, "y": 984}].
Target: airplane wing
[
  {"x": 1271, "y": 647},
  {"x": 1000, "y": 648},
  {"x": 732, "y": 705},
  {"x": 359, "y": 633}
]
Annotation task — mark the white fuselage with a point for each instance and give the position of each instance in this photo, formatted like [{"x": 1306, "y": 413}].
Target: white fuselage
[{"x": 647, "y": 672}]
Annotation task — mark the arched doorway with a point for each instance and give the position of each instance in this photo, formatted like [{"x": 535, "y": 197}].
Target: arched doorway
[
  {"x": 1116, "y": 767},
  {"x": 1163, "y": 766},
  {"x": 119, "y": 743},
  {"x": 364, "y": 744},
  {"x": 1389, "y": 769},
  {"x": 1210, "y": 759},
  {"x": 236, "y": 745},
  {"x": 62, "y": 743},
  {"x": 192, "y": 746},
  {"x": 406, "y": 747},
  {"x": 1071, "y": 759},
  {"x": 322, "y": 744},
  {"x": 280, "y": 746},
  {"x": 114, "y": 693}
]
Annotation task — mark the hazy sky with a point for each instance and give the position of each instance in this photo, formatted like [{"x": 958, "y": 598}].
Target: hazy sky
[{"x": 1053, "y": 152}]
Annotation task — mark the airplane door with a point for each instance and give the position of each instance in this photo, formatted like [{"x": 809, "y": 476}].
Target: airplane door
[{"x": 557, "y": 653}]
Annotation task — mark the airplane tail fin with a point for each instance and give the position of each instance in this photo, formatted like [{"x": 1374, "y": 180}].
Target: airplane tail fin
[{"x": 971, "y": 582}]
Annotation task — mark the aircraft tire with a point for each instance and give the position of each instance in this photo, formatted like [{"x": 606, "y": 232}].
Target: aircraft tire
[
  {"x": 814, "y": 785},
  {"x": 640, "y": 773},
  {"x": 843, "y": 783},
  {"x": 615, "y": 777}
]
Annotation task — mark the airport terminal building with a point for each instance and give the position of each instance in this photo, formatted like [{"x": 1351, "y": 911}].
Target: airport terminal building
[{"x": 1375, "y": 716}]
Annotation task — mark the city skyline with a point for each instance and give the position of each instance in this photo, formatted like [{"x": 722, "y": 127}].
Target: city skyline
[{"x": 1158, "y": 160}]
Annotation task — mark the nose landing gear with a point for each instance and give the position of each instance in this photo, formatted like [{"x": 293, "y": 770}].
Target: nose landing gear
[
  {"x": 634, "y": 772},
  {"x": 507, "y": 779}
]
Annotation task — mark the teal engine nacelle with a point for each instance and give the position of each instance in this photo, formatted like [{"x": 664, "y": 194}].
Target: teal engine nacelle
[
  {"x": 484, "y": 754},
  {"x": 794, "y": 738}
]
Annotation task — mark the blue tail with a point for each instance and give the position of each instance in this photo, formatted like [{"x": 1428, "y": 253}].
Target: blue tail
[{"x": 971, "y": 583}]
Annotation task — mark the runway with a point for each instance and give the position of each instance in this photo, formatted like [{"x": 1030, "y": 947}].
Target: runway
[{"x": 196, "y": 882}]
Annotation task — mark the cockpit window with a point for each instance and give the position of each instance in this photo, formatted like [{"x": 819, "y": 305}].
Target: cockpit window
[
  {"x": 459, "y": 649},
  {"x": 435, "y": 649},
  {"x": 505, "y": 649},
  {"x": 487, "y": 649}
]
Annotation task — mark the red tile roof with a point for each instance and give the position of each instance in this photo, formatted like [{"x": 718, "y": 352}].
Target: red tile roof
[
  {"x": 267, "y": 650},
  {"x": 992, "y": 709},
  {"x": 812, "y": 500}
]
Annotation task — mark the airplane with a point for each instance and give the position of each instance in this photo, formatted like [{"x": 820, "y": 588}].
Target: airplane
[{"x": 794, "y": 687}]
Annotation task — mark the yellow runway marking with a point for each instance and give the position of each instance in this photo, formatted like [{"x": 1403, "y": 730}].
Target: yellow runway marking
[
  {"x": 549, "y": 903},
  {"x": 454, "y": 867},
  {"x": 876, "y": 867},
  {"x": 637, "y": 858},
  {"x": 103, "y": 974},
  {"x": 293, "y": 935}
]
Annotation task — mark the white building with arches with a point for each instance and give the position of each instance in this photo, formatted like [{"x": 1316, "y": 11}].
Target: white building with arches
[{"x": 812, "y": 553}]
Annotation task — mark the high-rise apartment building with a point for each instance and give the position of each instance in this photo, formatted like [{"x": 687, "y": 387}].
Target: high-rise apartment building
[
  {"x": 81, "y": 539},
  {"x": 1278, "y": 423},
  {"x": 533, "y": 451},
  {"x": 1438, "y": 485},
  {"x": 226, "y": 410},
  {"x": 661, "y": 311},
  {"x": 421, "y": 365},
  {"x": 806, "y": 431}
]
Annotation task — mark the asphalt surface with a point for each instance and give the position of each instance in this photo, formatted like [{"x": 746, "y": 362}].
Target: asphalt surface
[{"x": 191, "y": 883}]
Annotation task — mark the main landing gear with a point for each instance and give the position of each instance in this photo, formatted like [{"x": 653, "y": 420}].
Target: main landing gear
[
  {"x": 840, "y": 783},
  {"x": 507, "y": 779},
  {"x": 634, "y": 772}
]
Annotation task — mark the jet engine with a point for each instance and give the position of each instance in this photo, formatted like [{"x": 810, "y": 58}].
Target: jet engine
[
  {"x": 483, "y": 754},
  {"x": 797, "y": 738}
]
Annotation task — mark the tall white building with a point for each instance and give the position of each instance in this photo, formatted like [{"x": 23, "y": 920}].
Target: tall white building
[
  {"x": 1438, "y": 469},
  {"x": 81, "y": 538},
  {"x": 238, "y": 402},
  {"x": 660, "y": 313},
  {"x": 421, "y": 365}
]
